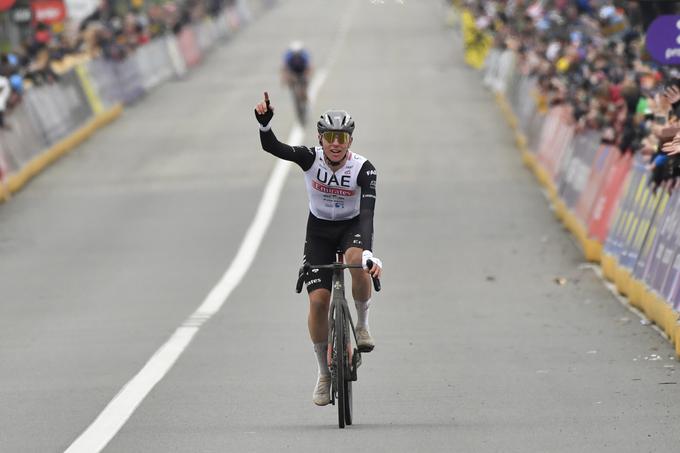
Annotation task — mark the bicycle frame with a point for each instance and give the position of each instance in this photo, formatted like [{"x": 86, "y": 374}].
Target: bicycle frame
[
  {"x": 338, "y": 305},
  {"x": 298, "y": 86}
]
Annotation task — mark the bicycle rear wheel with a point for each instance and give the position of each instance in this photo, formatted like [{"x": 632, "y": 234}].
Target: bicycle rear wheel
[{"x": 339, "y": 349}]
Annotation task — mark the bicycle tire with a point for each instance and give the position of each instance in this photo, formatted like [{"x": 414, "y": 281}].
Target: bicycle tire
[
  {"x": 301, "y": 109},
  {"x": 348, "y": 402},
  {"x": 339, "y": 347}
]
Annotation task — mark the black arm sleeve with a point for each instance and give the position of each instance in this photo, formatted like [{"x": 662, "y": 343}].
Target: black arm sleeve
[
  {"x": 367, "y": 180},
  {"x": 301, "y": 155}
]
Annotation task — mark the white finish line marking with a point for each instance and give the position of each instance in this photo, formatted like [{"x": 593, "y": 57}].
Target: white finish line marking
[{"x": 123, "y": 405}]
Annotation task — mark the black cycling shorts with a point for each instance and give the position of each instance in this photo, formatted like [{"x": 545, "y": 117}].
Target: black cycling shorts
[{"x": 324, "y": 238}]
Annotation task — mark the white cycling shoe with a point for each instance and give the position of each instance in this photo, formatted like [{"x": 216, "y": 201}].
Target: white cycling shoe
[
  {"x": 322, "y": 391},
  {"x": 365, "y": 341}
]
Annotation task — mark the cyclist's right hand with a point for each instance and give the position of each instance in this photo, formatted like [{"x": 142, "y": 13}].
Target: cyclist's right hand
[
  {"x": 264, "y": 111},
  {"x": 376, "y": 269}
]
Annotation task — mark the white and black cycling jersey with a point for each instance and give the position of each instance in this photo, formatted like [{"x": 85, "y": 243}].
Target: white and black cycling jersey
[{"x": 335, "y": 196}]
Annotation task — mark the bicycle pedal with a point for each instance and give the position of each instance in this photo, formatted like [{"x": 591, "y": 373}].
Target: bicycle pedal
[{"x": 356, "y": 361}]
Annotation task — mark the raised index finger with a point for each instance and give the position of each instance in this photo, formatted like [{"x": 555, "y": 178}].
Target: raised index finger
[{"x": 266, "y": 98}]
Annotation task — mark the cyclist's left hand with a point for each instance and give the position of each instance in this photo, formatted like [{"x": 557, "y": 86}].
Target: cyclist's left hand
[
  {"x": 376, "y": 270},
  {"x": 264, "y": 111}
]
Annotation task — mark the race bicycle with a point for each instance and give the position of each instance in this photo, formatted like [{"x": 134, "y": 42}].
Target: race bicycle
[
  {"x": 298, "y": 87},
  {"x": 344, "y": 357}
]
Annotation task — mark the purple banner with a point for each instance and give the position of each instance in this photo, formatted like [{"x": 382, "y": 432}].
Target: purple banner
[{"x": 663, "y": 39}]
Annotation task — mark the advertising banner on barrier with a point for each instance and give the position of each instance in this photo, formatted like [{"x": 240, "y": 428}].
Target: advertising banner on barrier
[
  {"x": 513, "y": 81},
  {"x": 576, "y": 172},
  {"x": 188, "y": 47},
  {"x": 59, "y": 108},
  {"x": 673, "y": 262},
  {"x": 605, "y": 156},
  {"x": 636, "y": 183},
  {"x": 554, "y": 138},
  {"x": 564, "y": 160},
  {"x": 203, "y": 35},
  {"x": 655, "y": 271},
  {"x": 561, "y": 145},
  {"x": 671, "y": 286},
  {"x": 610, "y": 247},
  {"x": 535, "y": 131},
  {"x": 22, "y": 141},
  {"x": 608, "y": 197},
  {"x": 651, "y": 241},
  {"x": 44, "y": 106},
  {"x": 153, "y": 62},
  {"x": 4, "y": 172},
  {"x": 674, "y": 299},
  {"x": 89, "y": 89},
  {"x": 243, "y": 11},
  {"x": 547, "y": 132},
  {"x": 221, "y": 30},
  {"x": 178, "y": 63},
  {"x": 129, "y": 80},
  {"x": 639, "y": 206},
  {"x": 523, "y": 104},
  {"x": 79, "y": 107},
  {"x": 673, "y": 295},
  {"x": 233, "y": 19},
  {"x": 665, "y": 251},
  {"x": 640, "y": 228},
  {"x": 104, "y": 80},
  {"x": 116, "y": 81}
]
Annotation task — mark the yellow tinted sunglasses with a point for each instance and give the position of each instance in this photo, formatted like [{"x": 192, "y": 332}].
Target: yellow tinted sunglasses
[{"x": 331, "y": 136}]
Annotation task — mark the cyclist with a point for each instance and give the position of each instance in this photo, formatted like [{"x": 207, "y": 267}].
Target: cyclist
[
  {"x": 296, "y": 72},
  {"x": 341, "y": 187}
]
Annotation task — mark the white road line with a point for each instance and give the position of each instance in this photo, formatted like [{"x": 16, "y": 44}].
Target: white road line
[
  {"x": 123, "y": 405},
  {"x": 119, "y": 410}
]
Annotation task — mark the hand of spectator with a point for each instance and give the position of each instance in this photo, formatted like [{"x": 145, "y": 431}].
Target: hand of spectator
[
  {"x": 649, "y": 145},
  {"x": 657, "y": 105},
  {"x": 672, "y": 93},
  {"x": 672, "y": 147}
]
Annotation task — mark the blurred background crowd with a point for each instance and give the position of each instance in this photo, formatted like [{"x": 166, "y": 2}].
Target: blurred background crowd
[
  {"x": 590, "y": 56},
  {"x": 41, "y": 40}
]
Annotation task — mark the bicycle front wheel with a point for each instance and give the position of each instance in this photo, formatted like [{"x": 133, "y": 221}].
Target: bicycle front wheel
[
  {"x": 348, "y": 402},
  {"x": 339, "y": 350}
]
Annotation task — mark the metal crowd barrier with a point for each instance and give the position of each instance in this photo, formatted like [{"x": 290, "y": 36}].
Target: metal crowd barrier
[
  {"x": 23, "y": 141},
  {"x": 54, "y": 117},
  {"x": 58, "y": 109}
]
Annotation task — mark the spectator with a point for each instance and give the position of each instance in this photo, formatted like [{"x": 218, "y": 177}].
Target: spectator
[{"x": 5, "y": 91}]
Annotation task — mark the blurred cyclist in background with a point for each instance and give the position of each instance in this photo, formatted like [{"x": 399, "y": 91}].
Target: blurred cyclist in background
[{"x": 295, "y": 73}]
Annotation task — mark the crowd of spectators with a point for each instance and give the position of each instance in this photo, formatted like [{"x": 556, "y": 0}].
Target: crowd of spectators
[
  {"x": 589, "y": 56},
  {"x": 105, "y": 33}
]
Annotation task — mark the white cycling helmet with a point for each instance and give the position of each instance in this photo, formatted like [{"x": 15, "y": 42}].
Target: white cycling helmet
[
  {"x": 335, "y": 120},
  {"x": 296, "y": 46}
]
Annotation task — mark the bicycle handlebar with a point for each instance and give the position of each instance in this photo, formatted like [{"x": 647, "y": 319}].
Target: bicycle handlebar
[{"x": 307, "y": 267}]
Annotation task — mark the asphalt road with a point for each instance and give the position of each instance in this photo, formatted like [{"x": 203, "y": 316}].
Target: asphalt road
[{"x": 478, "y": 349}]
